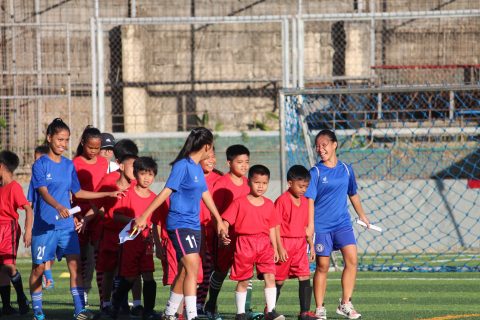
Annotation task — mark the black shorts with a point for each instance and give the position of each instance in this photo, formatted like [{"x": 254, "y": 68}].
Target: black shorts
[{"x": 185, "y": 241}]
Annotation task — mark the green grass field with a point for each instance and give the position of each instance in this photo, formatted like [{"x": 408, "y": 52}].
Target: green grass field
[{"x": 378, "y": 295}]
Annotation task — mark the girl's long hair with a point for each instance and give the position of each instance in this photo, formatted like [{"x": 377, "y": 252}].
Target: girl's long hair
[
  {"x": 197, "y": 138},
  {"x": 89, "y": 133},
  {"x": 55, "y": 127}
]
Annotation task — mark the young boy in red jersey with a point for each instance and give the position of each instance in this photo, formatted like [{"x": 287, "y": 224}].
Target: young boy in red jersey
[
  {"x": 253, "y": 218},
  {"x": 12, "y": 199},
  {"x": 292, "y": 214},
  {"x": 136, "y": 256},
  {"x": 126, "y": 153},
  {"x": 229, "y": 187}
]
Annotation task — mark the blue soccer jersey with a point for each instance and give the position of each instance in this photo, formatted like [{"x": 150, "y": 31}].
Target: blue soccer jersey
[
  {"x": 31, "y": 193},
  {"x": 188, "y": 183},
  {"x": 61, "y": 180},
  {"x": 329, "y": 188}
]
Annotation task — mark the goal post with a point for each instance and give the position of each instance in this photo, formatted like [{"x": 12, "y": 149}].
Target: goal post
[{"x": 413, "y": 149}]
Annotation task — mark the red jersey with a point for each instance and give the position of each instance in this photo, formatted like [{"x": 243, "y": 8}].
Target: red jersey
[
  {"x": 473, "y": 183},
  {"x": 89, "y": 176},
  {"x": 133, "y": 205},
  {"x": 205, "y": 215},
  {"x": 225, "y": 191},
  {"x": 108, "y": 184},
  {"x": 292, "y": 219},
  {"x": 159, "y": 217},
  {"x": 247, "y": 218},
  {"x": 11, "y": 199}
]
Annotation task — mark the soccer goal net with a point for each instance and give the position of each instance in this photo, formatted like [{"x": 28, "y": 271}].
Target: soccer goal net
[{"x": 416, "y": 156}]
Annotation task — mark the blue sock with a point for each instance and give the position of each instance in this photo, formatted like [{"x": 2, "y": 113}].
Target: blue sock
[
  {"x": 78, "y": 299},
  {"x": 48, "y": 274},
  {"x": 37, "y": 302}
]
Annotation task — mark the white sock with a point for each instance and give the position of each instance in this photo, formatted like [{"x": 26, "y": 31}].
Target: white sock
[
  {"x": 270, "y": 297},
  {"x": 191, "y": 307},
  {"x": 240, "y": 299},
  {"x": 173, "y": 303},
  {"x": 137, "y": 303}
]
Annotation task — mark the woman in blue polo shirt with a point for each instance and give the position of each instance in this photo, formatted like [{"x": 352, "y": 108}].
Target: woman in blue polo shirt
[
  {"x": 186, "y": 187},
  {"x": 332, "y": 182}
]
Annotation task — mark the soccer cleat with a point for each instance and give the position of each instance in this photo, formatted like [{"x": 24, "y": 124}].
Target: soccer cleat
[
  {"x": 179, "y": 316},
  {"x": 136, "y": 312},
  {"x": 273, "y": 315},
  {"x": 84, "y": 314},
  {"x": 23, "y": 306},
  {"x": 240, "y": 316},
  {"x": 347, "y": 310},
  {"x": 167, "y": 317},
  {"x": 307, "y": 315},
  {"x": 255, "y": 315},
  {"x": 321, "y": 313},
  {"x": 39, "y": 316}
]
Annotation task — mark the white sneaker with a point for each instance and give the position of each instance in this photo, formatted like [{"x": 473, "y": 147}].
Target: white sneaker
[
  {"x": 347, "y": 310},
  {"x": 321, "y": 313}
]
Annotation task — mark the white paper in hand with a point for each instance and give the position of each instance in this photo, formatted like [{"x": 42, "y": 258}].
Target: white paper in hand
[
  {"x": 126, "y": 235},
  {"x": 373, "y": 227},
  {"x": 71, "y": 212}
]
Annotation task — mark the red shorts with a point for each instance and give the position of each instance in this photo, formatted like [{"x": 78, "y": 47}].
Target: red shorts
[
  {"x": 297, "y": 264},
  {"x": 136, "y": 256},
  {"x": 170, "y": 265},
  {"x": 223, "y": 255},
  {"x": 108, "y": 248},
  {"x": 252, "y": 250},
  {"x": 9, "y": 238}
]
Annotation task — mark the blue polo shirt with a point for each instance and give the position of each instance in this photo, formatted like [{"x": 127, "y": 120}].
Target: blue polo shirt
[
  {"x": 61, "y": 180},
  {"x": 188, "y": 184},
  {"x": 329, "y": 187}
]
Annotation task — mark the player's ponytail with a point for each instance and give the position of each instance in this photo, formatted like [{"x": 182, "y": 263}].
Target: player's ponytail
[
  {"x": 55, "y": 127},
  {"x": 197, "y": 138},
  {"x": 90, "y": 132}
]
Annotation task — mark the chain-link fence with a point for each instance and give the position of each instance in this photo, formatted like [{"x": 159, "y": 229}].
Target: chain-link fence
[{"x": 146, "y": 65}]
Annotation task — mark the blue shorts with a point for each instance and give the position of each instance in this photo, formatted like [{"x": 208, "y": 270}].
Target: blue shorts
[
  {"x": 54, "y": 243},
  {"x": 185, "y": 241},
  {"x": 325, "y": 243}
]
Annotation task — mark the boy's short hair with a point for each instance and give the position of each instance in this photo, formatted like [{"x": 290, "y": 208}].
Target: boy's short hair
[
  {"x": 42, "y": 149},
  {"x": 298, "y": 172},
  {"x": 258, "y": 169},
  {"x": 127, "y": 157},
  {"x": 145, "y": 164},
  {"x": 125, "y": 147},
  {"x": 10, "y": 160},
  {"x": 236, "y": 150}
]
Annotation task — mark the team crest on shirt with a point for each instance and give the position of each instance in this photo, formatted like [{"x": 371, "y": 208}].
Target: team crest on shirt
[
  {"x": 319, "y": 247},
  {"x": 324, "y": 180},
  {"x": 195, "y": 179},
  {"x": 49, "y": 176}
]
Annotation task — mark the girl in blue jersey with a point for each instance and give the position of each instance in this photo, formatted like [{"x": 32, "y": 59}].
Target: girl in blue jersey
[
  {"x": 54, "y": 179},
  {"x": 186, "y": 186},
  {"x": 332, "y": 182}
]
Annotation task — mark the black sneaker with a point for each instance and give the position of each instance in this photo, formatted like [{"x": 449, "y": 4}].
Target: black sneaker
[
  {"x": 240, "y": 316},
  {"x": 23, "y": 306},
  {"x": 8, "y": 310},
  {"x": 152, "y": 315},
  {"x": 136, "y": 312},
  {"x": 273, "y": 315}
]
